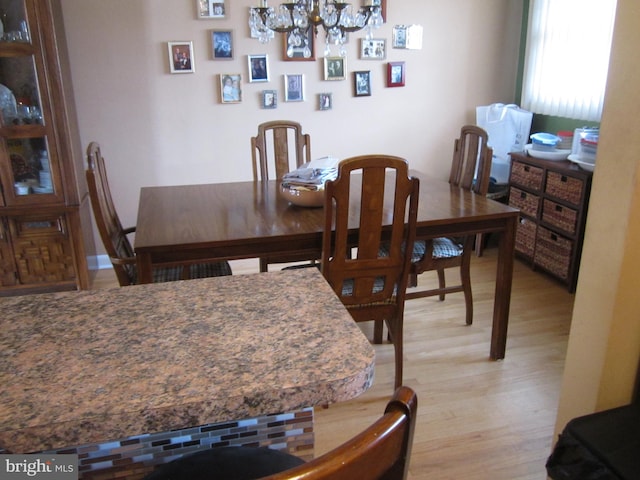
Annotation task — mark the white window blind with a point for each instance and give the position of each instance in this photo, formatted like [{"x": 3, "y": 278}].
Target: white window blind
[{"x": 567, "y": 57}]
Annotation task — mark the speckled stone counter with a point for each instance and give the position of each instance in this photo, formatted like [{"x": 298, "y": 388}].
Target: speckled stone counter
[{"x": 81, "y": 367}]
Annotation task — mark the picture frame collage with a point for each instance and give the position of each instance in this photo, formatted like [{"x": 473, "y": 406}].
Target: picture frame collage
[{"x": 294, "y": 48}]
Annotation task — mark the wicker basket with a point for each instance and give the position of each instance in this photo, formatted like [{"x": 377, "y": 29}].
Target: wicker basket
[
  {"x": 526, "y": 202},
  {"x": 526, "y": 175},
  {"x": 553, "y": 252},
  {"x": 559, "y": 216},
  {"x": 526, "y": 236},
  {"x": 565, "y": 187}
]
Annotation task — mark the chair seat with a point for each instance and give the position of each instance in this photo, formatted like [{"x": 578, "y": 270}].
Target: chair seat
[
  {"x": 228, "y": 463},
  {"x": 443, "y": 247},
  {"x": 198, "y": 270}
]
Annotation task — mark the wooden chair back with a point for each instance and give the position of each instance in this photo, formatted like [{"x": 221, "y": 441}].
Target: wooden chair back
[
  {"x": 113, "y": 236},
  {"x": 382, "y": 451},
  {"x": 470, "y": 170},
  {"x": 471, "y": 165},
  {"x": 270, "y": 151},
  {"x": 372, "y": 207}
]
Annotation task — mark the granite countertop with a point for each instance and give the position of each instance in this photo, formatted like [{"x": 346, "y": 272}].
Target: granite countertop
[{"x": 90, "y": 366}]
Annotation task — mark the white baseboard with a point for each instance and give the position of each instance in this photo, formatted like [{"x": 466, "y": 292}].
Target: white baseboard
[{"x": 98, "y": 262}]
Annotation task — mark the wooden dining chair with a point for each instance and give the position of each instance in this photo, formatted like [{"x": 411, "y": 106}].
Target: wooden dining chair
[
  {"x": 114, "y": 236},
  {"x": 279, "y": 148},
  {"x": 271, "y": 150},
  {"x": 470, "y": 170},
  {"x": 372, "y": 284},
  {"x": 382, "y": 451}
]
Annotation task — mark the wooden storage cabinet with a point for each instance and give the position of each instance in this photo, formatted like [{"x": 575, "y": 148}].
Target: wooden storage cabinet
[
  {"x": 42, "y": 249},
  {"x": 553, "y": 197},
  {"x": 43, "y": 195}
]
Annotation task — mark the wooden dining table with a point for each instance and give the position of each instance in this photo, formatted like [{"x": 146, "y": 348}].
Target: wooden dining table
[{"x": 251, "y": 219}]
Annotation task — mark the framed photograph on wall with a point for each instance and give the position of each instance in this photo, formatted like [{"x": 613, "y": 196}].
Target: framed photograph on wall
[
  {"x": 212, "y": 8},
  {"x": 258, "y": 68},
  {"x": 325, "y": 101},
  {"x": 362, "y": 83},
  {"x": 335, "y": 68},
  {"x": 181, "y": 57},
  {"x": 294, "y": 87},
  {"x": 399, "y": 36},
  {"x": 222, "y": 44},
  {"x": 230, "y": 87},
  {"x": 374, "y": 49},
  {"x": 269, "y": 99},
  {"x": 295, "y": 48},
  {"x": 395, "y": 74}
]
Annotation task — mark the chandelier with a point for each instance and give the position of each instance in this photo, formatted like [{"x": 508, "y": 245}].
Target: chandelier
[{"x": 296, "y": 17}]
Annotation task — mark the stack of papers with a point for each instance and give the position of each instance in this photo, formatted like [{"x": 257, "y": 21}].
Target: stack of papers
[{"x": 312, "y": 175}]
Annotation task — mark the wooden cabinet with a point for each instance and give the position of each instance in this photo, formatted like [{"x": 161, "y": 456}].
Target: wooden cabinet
[
  {"x": 45, "y": 223},
  {"x": 553, "y": 197}
]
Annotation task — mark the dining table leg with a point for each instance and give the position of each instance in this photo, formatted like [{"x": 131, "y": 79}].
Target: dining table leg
[
  {"x": 504, "y": 278},
  {"x": 145, "y": 270}
]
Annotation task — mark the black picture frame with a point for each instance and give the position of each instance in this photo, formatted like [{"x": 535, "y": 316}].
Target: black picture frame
[
  {"x": 222, "y": 44},
  {"x": 362, "y": 83},
  {"x": 258, "y": 66}
]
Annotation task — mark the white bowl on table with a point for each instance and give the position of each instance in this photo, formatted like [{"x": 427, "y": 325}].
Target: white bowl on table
[
  {"x": 555, "y": 155},
  {"x": 582, "y": 163}
]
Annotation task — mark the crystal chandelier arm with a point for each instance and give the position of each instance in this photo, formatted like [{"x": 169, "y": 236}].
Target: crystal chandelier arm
[{"x": 334, "y": 16}]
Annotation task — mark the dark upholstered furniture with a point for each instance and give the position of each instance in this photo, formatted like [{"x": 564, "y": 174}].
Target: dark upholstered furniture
[{"x": 601, "y": 446}]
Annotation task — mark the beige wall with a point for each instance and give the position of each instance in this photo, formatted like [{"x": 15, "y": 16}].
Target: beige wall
[
  {"x": 604, "y": 344},
  {"x": 158, "y": 129}
]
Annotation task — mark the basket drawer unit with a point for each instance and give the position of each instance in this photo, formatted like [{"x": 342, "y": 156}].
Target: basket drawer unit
[
  {"x": 526, "y": 236},
  {"x": 559, "y": 216},
  {"x": 553, "y": 252},
  {"x": 553, "y": 198},
  {"x": 564, "y": 187},
  {"x": 528, "y": 203},
  {"x": 526, "y": 175}
]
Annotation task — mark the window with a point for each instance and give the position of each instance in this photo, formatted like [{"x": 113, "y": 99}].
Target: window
[{"x": 567, "y": 57}]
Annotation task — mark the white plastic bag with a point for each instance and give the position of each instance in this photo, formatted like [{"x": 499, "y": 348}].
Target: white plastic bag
[{"x": 508, "y": 127}]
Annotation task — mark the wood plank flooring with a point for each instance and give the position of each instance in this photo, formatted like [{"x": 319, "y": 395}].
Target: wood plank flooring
[{"x": 478, "y": 419}]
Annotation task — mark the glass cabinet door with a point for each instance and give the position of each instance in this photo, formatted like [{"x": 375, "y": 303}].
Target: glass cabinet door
[{"x": 28, "y": 163}]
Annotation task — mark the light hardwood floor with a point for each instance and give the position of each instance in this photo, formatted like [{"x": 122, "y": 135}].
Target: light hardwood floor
[{"x": 477, "y": 419}]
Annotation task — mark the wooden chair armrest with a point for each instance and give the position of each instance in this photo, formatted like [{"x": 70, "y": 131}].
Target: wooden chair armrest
[{"x": 128, "y": 230}]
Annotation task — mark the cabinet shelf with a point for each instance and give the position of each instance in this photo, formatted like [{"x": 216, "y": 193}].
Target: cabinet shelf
[
  {"x": 23, "y": 131},
  {"x": 16, "y": 49}
]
